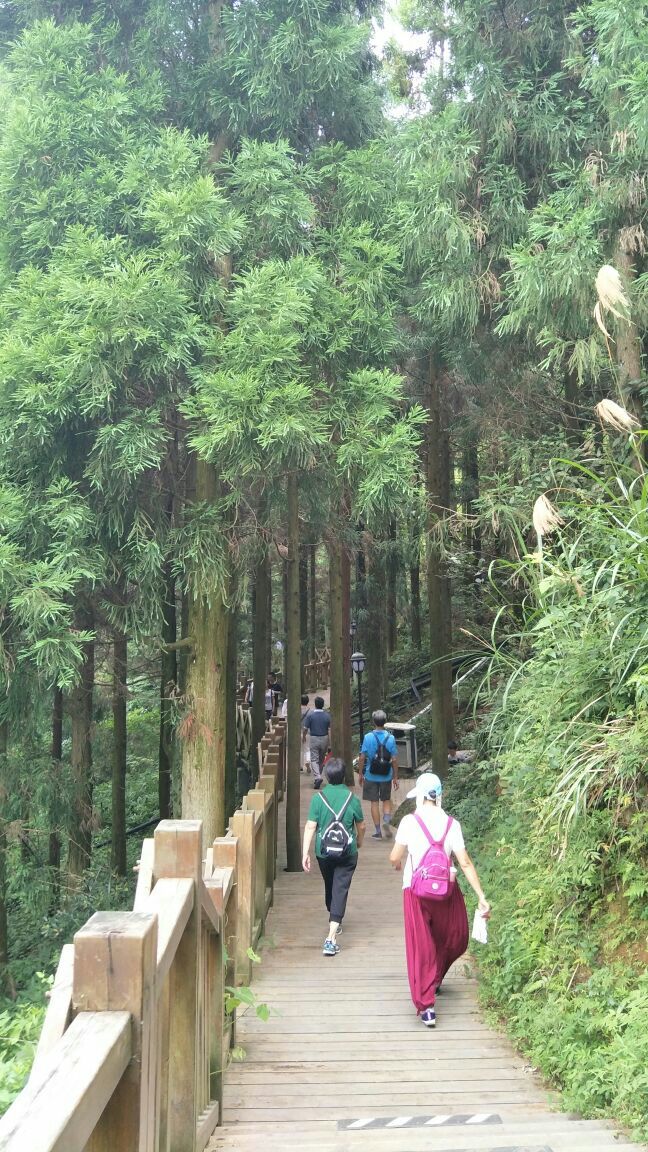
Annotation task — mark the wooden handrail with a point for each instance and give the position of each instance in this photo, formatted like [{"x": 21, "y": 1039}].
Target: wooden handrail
[
  {"x": 60, "y": 1107},
  {"x": 135, "y": 1042}
]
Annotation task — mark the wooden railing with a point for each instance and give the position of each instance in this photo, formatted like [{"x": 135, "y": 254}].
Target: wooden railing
[
  {"x": 317, "y": 674},
  {"x": 135, "y": 1043}
]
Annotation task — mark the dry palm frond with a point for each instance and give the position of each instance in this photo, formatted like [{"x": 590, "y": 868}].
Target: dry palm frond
[
  {"x": 620, "y": 140},
  {"x": 545, "y": 516},
  {"x": 489, "y": 288},
  {"x": 595, "y": 167},
  {"x": 611, "y": 297},
  {"x": 633, "y": 239},
  {"x": 612, "y": 414},
  {"x": 636, "y": 190}
]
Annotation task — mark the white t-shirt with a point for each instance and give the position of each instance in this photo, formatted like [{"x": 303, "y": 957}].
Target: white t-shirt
[{"x": 412, "y": 836}]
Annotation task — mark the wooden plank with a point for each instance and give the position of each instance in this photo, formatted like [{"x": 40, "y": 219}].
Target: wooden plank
[
  {"x": 59, "y": 1009},
  {"x": 172, "y": 902},
  {"x": 178, "y": 853},
  {"x": 144, "y": 875},
  {"x": 243, "y": 828},
  {"x": 115, "y": 961},
  {"x": 207, "y": 1122},
  {"x": 60, "y": 1107},
  {"x": 208, "y": 909}
]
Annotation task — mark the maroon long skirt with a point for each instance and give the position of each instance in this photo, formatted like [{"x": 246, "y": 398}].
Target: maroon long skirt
[{"x": 436, "y": 934}]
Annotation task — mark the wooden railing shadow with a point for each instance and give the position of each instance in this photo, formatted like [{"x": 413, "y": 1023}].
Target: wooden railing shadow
[{"x": 135, "y": 1043}]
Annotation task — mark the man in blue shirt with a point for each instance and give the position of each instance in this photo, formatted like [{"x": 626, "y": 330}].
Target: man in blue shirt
[
  {"x": 378, "y": 771},
  {"x": 317, "y": 723}
]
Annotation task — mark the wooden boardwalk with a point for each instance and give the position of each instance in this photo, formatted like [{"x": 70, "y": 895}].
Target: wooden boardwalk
[{"x": 344, "y": 1064}]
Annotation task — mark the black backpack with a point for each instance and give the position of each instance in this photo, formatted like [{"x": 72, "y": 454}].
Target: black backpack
[
  {"x": 381, "y": 762},
  {"x": 335, "y": 839}
]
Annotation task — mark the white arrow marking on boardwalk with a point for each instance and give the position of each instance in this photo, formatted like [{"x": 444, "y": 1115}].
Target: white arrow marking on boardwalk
[
  {"x": 436, "y": 1120},
  {"x": 399, "y": 1122},
  {"x": 362, "y": 1123},
  {"x": 480, "y": 1118}
]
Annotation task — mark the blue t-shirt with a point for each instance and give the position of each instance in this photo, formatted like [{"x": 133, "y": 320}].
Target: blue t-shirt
[
  {"x": 370, "y": 748},
  {"x": 317, "y": 722}
]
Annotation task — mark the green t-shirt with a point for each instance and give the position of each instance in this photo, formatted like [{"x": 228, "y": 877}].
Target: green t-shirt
[{"x": 335, "y": 794}]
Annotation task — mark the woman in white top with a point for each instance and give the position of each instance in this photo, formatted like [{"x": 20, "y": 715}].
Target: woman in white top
[{"x": 436, "y": 930}]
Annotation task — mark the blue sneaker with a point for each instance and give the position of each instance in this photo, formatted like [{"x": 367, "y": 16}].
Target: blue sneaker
[
  {"x": 376, "y": 836},
  {"x": 429, "y": 1017},
  {"x": 330, "y": 948}
]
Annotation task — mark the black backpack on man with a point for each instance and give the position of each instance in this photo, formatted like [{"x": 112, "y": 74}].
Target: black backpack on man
[{"x": 382, "y": 758}]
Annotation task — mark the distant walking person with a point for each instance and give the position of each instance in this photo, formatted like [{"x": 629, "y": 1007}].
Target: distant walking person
[
  {"x": 336, "y": 820},
  {"x": 378, "y": 772},
  {"x": 317, "y": 723},
  {"x": 436, "y": 922}
]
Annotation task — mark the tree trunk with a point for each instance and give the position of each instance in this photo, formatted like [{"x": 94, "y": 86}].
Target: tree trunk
[
  {"x": 54, "y": 847},
  {"x": 168, "y": 678},
  {"x": 312, "y": 603},
  {"x": 284, "y": 588},
  {"x": 471, "y": 491},
  {"x": 183, "y": 653},
  {"x": 4, "y": 920},
  {"x": 231, "y": 768},
  {"x": 374, "y": 646},
  {"x": 203, "y": 753},
  {"x": 415, "y": 602},
  {"x": 338, "y": 646},
  {"x": 571, "y": 409},
  {"x": 628, "y": 345},
  {"x": 81, "y": 701},
  {"x": 120, "y": 746},
  {"x": 260, "y": 668},
  {"x": 269, "y": 625},
  {"x": 392, "y": 579},
  {"x": 436, "y": 579},
  {"x": 293, "y": 681},
  {"x": 361, "y": 597},
  {"x": 303, "y": 609},
  {"x": 347, "y": 737}
]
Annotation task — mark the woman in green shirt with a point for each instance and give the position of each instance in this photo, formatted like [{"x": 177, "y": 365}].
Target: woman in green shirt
[{"x": 336, "y": 820}]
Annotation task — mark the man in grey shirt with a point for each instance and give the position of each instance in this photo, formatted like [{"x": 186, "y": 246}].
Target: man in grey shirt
[{"x": 317, "y": 726}]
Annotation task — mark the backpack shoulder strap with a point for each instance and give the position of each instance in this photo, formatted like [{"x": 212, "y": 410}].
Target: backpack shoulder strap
[
  {"x": 344, "y": 806},
  {"x": 425, "y": 828},
  {"x": 447, "y": 829},
  {"x": 429, "y": 835},
  {"x": 343, "y": 809}
]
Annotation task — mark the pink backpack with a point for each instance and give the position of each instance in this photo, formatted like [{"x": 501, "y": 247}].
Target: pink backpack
[{"x": 431, "y": 880}]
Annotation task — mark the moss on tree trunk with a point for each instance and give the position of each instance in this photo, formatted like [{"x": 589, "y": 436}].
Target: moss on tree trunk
[
  {"x": 203, "y": 749},
  {"x": 293, "y": 681},
  {"x": 119, "y": 753}
]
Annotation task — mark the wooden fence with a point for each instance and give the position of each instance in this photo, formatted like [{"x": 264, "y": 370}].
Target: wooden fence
[
  {"x": 317, "y": 674},
  {"x": 136, "y": 1041}
]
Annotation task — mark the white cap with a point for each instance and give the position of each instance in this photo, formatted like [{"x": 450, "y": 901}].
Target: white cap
[{"x": 427, "y": 787}]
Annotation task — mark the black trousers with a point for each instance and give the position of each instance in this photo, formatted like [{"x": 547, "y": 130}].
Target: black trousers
[{"x": 338, "y": 874}]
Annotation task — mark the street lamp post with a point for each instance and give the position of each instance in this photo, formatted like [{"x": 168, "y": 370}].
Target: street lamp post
[
  {"x": 353, "y": 628},
  {"x": 358, "y": 665}
]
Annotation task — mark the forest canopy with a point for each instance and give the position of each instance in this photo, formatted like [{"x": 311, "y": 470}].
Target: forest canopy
[{"x": 306, "y": 344}]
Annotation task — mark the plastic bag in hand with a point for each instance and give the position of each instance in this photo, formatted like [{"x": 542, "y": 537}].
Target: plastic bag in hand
[{"x": 479, "y": 928}]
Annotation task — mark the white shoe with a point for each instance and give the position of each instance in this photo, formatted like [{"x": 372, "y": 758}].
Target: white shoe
[{"x": 387, "y": 830}]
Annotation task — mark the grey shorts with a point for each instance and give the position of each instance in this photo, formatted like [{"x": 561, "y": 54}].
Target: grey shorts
[{"x": 376, "y": 790}]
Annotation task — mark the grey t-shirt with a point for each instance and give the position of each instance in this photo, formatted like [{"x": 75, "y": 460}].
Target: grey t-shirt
[{"x": 317, "y": 722}]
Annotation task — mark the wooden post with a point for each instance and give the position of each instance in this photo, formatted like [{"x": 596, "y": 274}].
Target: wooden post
[
  {"x": 216, "y": 999},
  {"x": 178, "y": 854},
  {"x": 242, "y": 825},
  {"x": 115, "y": 960},
  {"x": 226, "y": 856},
  {"x": 269, "y": 785},
  {"x": 256, "y": 800}
]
